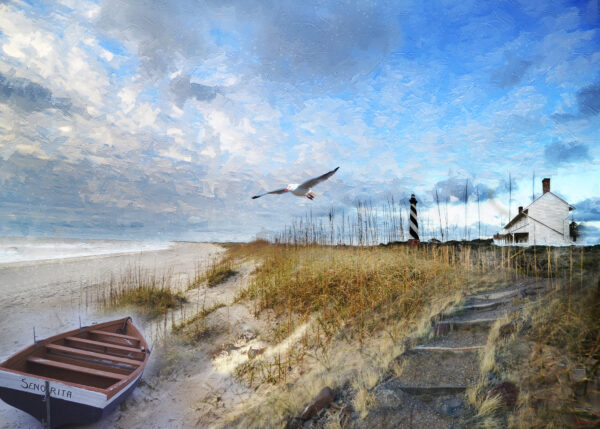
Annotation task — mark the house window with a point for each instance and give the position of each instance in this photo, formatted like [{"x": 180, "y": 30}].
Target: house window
[{"x": 522, "y": 237}]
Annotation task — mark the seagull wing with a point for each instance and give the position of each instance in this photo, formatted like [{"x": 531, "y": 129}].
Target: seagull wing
[
  {"x": 312, "y": 182},
  {"x": 278, "y": 191}
]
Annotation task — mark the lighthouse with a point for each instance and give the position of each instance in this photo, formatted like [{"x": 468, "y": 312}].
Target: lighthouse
[{"x": 414, "y": 225}]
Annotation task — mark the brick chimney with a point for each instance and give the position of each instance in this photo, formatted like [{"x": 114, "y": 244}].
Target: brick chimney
[
  {"x": 520, "y": 209},
  {"x": 546, "y": 185}
]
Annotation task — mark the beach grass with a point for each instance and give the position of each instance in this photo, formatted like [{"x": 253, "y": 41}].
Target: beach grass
[
  {"x": 192, "y": 330},
  {"x": 359, "y": 305},
  {"x": 153, "y": 300},
  {"x": 350, "y": 310},
  {"x": 338, "y": 314},
  {"x": 366, "y": 288},
  {"x": 149, "y": 293},
  {"x": 553, "y": 356},
  {"x": 217, "y": 271}
]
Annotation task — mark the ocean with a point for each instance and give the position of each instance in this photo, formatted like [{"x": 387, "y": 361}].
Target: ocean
[{"x": 26, "y": 249}]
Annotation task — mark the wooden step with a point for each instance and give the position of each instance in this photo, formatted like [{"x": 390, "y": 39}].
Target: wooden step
[
  {"x": 93, "y": 355},
  {"x": 392, "y": 407},
  {"x": 512, "y": 292},
  {"x": 433, "y": 390},
  {"x": 483, "y": 306},
  {"x": 115, "y": 335},
  {"x": 438, "y": 372},
  {"x": 76, "y": 368},
  {"x": 446, "y": 326},
  {"x": 458, "y": 349},
  {"x": 104, "y": 345},
  {"x": 484, "y": 322}
]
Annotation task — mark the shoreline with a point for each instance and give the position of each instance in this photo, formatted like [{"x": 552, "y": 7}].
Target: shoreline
[
  {"x": 48, "y": 261},
  {"x": 33, "y": 250}
]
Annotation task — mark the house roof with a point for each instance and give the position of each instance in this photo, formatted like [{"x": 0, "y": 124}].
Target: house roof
[
  {"x": 550, "y": 192},
  {"x": 526, "y": 209},
  {"x": 516, "y": 218}
]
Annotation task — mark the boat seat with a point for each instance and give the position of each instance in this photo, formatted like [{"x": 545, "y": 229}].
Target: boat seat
[
  {"x": 115, "y": 335},
  {"x": 106, "y": 346},
  {"x": 76, "y": 368},
  {"x": 94, "y": 355}
]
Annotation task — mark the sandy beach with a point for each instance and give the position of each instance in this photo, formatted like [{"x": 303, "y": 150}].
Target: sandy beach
[{"x": 50, "y": 296}]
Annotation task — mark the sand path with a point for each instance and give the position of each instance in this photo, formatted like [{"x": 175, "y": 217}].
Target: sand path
[
  {"x": 199, "y": 387},
  {"x": 50, "y": 296}
]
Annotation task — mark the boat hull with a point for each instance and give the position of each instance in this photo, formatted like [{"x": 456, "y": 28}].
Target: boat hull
[
  {"x": 68, "y": 405},
  {"x": 76, "y": 377}
]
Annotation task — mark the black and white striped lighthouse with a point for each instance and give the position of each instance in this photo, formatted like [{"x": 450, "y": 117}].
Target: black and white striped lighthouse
[{"x": 414, "y": 225}]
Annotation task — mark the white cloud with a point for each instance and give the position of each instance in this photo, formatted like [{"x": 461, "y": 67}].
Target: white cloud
[
  {"x": 31, "y": 149},
  {"x": 128, "y": 96},
  {"x": 66, "y": 67},
  {"x": 174, "y": 153},
  {"x": 142, "y": 116}
]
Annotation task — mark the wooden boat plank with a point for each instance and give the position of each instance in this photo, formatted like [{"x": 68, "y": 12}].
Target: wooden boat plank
[
  {"x": 85, "y": 353},
  {"x": 76, "y": 368},
  {"x": 19, "y": 357},
  {"x": 103, "y": 344},
  {"x": 92, "y": 364},
  {"x": 114, "y": 334}
]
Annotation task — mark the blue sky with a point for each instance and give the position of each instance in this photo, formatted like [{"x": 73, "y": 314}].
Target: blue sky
[{"x": 160, "y": 119}]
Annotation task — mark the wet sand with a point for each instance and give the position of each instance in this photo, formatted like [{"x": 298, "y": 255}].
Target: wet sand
[{"x": 50, "y": 296}]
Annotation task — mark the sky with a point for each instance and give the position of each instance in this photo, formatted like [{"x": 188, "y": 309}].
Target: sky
[{"x": 146, "y": 119}]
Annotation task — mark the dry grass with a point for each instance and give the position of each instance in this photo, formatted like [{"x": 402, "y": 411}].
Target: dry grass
[
  {"x": 195, "y": 328},
  {"x": 565, "y": 337},
  {"x": 363, "y": 384},
  {"x": 362, "y": 299},
  {"x": 488, "y": 353},
  {"x": 154, "y": 301},
  {"x": 489, "y": 406},
  {"x": 183, "y": 324},
  {"x": 368, "y": 289},
  {"x": 363, "y": 401},
  {"x": 359, "y": 303},
  {"x": 558, "y": 337},
  {"x": 218, "y": 271},
  {"x": 153, "y": 295},
  {"x": 344, "y": 295}
]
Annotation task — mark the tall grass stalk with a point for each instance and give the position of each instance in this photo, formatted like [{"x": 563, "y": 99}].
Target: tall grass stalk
[{"x": 152, "y": 294}]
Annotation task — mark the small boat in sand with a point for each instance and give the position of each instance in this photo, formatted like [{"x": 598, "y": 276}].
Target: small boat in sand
[{"x": 76, "y": 377}]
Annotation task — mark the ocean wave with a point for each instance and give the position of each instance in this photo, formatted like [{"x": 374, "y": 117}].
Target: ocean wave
[{"x": 27, "y": 249}]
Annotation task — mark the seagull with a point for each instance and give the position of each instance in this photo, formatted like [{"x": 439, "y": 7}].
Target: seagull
[{"x": 304, "y": 189}]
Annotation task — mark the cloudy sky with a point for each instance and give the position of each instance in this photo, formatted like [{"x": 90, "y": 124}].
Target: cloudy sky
[{"x": 160, "y": 119}]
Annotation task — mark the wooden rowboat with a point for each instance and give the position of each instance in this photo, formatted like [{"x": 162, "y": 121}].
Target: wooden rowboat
[{"x": 76, "y": 377}]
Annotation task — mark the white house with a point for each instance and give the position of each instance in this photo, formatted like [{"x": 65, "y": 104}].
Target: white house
[{"x": 544, "y": 222}]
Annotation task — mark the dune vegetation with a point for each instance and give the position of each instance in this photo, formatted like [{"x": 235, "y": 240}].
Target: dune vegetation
[
  {"x": 357, "y": 305},
  {"x": 150, "y": 294},
  {"x": 340, "y": 306},
  {"x": 554, "y": 354},
  {"x": 218, "y": 270}
]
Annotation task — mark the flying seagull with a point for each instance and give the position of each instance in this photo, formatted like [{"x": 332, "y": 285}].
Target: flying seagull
[{"x": 304, "y": 189}]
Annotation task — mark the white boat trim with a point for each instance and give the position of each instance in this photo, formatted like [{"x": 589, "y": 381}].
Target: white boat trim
[{"x": 37, "y": 386}]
